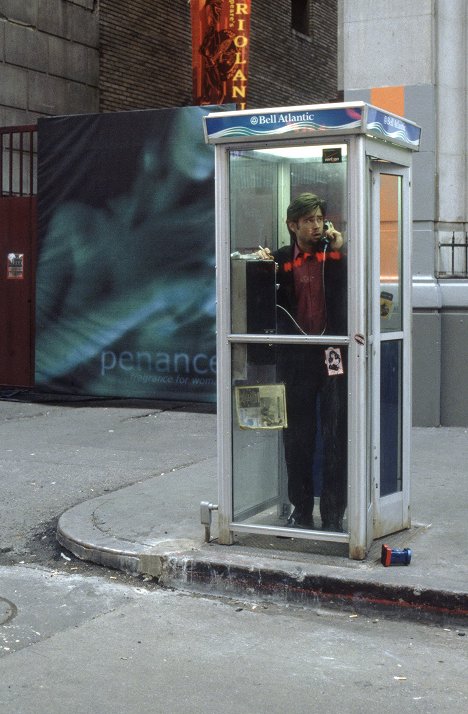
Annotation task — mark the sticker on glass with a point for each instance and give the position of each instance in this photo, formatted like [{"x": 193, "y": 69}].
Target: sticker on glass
[
  {"x": 386, "y": 305},
  {"x": 333, "y": 361}
]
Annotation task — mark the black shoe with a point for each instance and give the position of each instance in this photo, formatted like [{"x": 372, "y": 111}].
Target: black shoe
[
  {"x": 299, "y": 520},
  {"x": 334, "y": 524}
]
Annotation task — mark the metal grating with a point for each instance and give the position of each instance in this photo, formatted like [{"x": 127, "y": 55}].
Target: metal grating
[
  {"x": 453, "y": 257},
  {"x": 18, "y": 161}
]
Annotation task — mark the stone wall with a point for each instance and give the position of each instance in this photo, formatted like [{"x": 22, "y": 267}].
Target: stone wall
[
  {"x": 431, "y": 71},
  {"x": 49, "y": 59}
]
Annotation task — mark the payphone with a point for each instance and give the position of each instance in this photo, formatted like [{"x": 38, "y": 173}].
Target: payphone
[{"x": 313, "y": 224}]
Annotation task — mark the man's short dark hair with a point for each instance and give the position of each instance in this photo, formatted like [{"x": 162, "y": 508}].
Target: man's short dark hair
[{"x": 302, "y": 205}]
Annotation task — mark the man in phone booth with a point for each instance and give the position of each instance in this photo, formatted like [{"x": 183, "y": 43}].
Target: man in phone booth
[{"x": 311, "y": 300}]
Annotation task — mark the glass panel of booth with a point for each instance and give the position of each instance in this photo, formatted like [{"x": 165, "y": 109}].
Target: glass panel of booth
[
  {"x": 390, "y": 252},
  {"x": 289, "y": 437},
  {"x": 289, "y": 401},
  {"x": 264, "y": 181},
  {"x": 391, "y": 356}
]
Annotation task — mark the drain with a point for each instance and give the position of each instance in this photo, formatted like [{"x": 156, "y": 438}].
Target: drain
[{"x": 8, "y": 611}]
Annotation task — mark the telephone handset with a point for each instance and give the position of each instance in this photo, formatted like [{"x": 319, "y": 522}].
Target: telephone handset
[{"x": 326, "y": 240}]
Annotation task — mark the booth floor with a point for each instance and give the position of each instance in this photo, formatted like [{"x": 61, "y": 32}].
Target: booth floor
[{"x": 152, "y": 529}]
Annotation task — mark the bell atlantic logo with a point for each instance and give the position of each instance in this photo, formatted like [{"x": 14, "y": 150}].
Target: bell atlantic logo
[{"x": 287, "y": 118}]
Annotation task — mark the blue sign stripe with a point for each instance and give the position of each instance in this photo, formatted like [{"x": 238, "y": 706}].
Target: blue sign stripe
[
  {"x": 392, "y": 128},
  {"x": 280, "y": 123},
  {"x": 308, "y": 121}
]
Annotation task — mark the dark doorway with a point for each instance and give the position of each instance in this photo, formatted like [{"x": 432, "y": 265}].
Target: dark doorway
[{"x": 18, "y": 221}]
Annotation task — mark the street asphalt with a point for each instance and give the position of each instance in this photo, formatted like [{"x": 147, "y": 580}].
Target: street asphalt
[{"x": 153, "y": 528}]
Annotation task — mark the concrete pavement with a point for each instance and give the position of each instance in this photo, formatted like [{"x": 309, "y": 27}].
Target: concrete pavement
[{"x": 154, "y": 528}]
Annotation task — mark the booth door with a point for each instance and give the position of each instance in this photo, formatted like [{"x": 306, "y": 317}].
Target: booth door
[
  {"x": 281, "y": 394},
  {"x": 391, "y": 350}
]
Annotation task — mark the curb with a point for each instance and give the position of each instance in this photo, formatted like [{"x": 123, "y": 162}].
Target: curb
[
  {"x": 205, "y": 575},
  {"x": 182, "y": 565}
]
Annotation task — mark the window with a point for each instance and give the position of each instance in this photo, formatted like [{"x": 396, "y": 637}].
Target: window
[{"x": 300, "y": 16}]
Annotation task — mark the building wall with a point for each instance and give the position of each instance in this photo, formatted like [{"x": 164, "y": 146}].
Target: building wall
[
  {"x": 49, "y": 59},
  {"x": 146, "y": 54},
  {"x": 82, "y": 56},
  {"x": 420, "y": 46}
]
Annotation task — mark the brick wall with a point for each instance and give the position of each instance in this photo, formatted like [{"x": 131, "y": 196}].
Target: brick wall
[
  {"x": 146, "y": 54},
  {"x": 288, "y": 68}
]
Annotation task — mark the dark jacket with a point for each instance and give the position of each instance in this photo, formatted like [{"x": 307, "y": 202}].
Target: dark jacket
[{"x": 334, "y": 277}]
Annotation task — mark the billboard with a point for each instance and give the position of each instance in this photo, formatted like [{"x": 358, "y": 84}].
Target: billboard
[
  {"x": 126, "y": 271},
  {"x": 220, "y": 51}
]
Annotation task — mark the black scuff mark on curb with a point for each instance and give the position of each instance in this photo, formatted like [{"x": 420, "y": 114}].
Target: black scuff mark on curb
[{"x": 405, "y": 602}]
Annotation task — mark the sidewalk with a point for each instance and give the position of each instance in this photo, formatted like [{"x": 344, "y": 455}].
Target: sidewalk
[{"x": 153, "y": 528}]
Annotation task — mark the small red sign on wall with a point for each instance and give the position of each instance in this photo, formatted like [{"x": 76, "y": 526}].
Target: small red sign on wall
[{"x": 15, "y": 266}]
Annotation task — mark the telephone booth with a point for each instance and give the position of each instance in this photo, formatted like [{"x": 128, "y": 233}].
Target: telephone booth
[{"x": 313, "y": 419}]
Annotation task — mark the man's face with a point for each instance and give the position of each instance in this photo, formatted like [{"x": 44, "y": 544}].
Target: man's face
[{"x": 308, "y": 229}]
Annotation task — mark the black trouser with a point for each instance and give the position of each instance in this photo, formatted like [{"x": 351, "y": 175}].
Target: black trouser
[{"x": 302, "y": 369}]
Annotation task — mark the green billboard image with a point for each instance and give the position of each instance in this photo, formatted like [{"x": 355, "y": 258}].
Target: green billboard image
[{"x": 125, "y": 298}]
